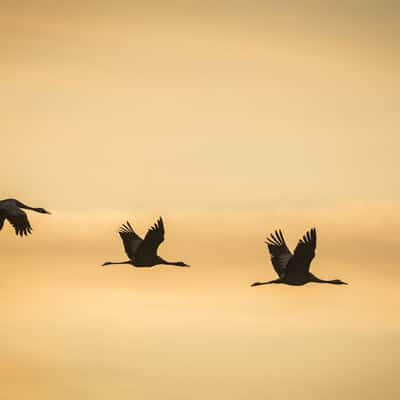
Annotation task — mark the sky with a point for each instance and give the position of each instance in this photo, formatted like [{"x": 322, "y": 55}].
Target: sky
[
  {"x": 229, "y": 119},
  {"x": 234, "y": 104}
]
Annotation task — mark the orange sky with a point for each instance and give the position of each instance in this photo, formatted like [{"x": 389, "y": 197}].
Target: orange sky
[
  {"x": 229, "y": 119},
  {"x": 113, "y": 106}
]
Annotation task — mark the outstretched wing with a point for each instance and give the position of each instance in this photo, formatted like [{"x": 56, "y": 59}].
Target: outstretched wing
[
  {"x": 280, "y": 254},
  {"x": 130, "y": 239},
  {"x": 18, "y": 219},
  {"x": 304, "y": 253},
  {"x": 154, "y": 237}
]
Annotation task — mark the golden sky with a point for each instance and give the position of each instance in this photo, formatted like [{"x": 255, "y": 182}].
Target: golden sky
[
  {"x": 230, "y": 119},
  {"x": 113, "y": 104}
]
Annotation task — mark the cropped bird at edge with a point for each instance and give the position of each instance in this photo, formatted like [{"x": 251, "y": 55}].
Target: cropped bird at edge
[
  {"x": 11, "y": 210},
  {"x": 294, "y": 269},
  {"x": 143, "y": 252}
]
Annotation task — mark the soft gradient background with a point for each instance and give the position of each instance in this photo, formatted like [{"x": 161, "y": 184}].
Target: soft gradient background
[{"x": 230, "y": 119}]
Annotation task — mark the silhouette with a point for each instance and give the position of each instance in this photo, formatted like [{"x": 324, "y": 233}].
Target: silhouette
[
  {"x": 294, "y": 269},
  {"x": 143, "y": 252},
  {"x": 10, "y": 209}
]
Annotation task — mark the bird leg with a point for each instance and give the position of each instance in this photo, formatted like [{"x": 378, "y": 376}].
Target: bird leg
[
  {"x": 266, "y": 283},
  {"x": 111, "y": 262}
]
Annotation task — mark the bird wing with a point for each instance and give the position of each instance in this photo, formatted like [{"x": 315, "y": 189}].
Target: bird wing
[
  {"x": 303, "y": 254},
  {"x": 2, "y": 218},
  {"x": 280, "y": 254},
  {"x": 154, "y": 237},
  {"x": 130, "y": 239},
  {"x": 18, "y": 220}
]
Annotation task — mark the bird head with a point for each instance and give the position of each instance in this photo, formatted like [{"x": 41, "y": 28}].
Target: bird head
[
  {"x": 182, "y": 264},
  {"x": 42, "y": 211},
  {"x": 339, "y": 282}
]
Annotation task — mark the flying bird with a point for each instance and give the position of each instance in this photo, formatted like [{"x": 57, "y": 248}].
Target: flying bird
[
  {"x": 294, "y": 269},
  {"x": 11, "y": 210},
  {"x": 143, "y": 252}
]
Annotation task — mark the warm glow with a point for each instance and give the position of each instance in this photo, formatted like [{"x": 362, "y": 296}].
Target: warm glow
[{"x": 229, "y": 119}]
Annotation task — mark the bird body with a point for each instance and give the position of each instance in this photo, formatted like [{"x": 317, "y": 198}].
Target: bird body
[
  {"x": 11, "y": 210},
  {"x": 294, "y": 269},
  {"x": 143, "y": 252}
]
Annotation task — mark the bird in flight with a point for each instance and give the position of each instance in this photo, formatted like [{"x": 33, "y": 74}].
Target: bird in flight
[
  {"x": 11, "y": 210},
  {"x": 294, "y": 269},
  {"x": 143, "y": 252}
]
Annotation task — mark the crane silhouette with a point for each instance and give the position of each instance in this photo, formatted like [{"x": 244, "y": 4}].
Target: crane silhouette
[
  {"x": 143, "y": 252},
  {"x": 294, "y": 269},
  {"x": 11, "y": 210}
]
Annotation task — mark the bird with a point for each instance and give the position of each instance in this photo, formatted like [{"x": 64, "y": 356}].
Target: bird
[
  {"x": 294, "y": 269},
  {"x": 143, "y": 252},
  {"x": 11, "y": 210}
]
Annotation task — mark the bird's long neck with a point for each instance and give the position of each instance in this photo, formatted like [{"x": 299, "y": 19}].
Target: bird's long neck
[
  {"x": 174, "y": 263},
  {"x": 25, "y": 207},
  {"x": 331, "y": 281}
]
